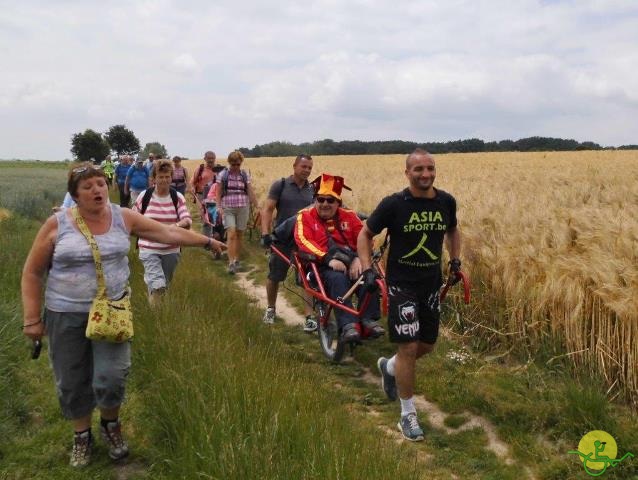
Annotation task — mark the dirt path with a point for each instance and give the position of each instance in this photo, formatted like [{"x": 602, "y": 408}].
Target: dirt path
[
  {"x": 435, "y": 415},
  {"x": 284, "y": 310}
]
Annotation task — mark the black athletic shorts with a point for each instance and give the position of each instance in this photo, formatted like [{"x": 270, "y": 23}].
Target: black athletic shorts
[
  {"x": 277, "y": 268},
  {"x": 413, "y": 314}
]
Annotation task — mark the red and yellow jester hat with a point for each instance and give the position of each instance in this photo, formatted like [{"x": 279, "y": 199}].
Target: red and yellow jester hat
[{"x": 327, "y": 184}]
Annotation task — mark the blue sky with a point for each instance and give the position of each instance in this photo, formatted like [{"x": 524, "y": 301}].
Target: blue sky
[{"x": 198, "y": 75}]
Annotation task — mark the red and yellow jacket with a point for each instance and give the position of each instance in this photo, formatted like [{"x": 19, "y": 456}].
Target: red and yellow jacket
[{"x": 311, "y": 231}]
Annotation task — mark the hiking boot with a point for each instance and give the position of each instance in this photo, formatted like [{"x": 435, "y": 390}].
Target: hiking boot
[
  {"x": 155, "y": 296},
  {"x": 410, "y": 428},
  {"x": 350, "y": 334},
  {"x": 269, "y": 316},
  {"x": 81, "y": 451},
  {"x": 388, "y": 382},
  {"x": 310, "y": 324},
  {"x": 374, "y": 329},
  {"x": 112, "y": 436}
]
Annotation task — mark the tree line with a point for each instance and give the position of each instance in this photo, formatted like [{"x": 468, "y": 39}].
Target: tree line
[
  {"x": 122, "y": 141},
  {"x": 379, "y": 147},
  {"x": 95, "y": 146}
]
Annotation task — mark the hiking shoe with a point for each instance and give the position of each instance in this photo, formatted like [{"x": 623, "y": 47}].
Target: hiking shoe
[
  {"x": 81, "y": 451},
  {"x": 388, "y": 382},
  {"x": 237, "y": 266},
  {"x": 112, "y": 436},
  {"x": 350, "y": 334},
  {"x": 269, "y": 316},
  {"x": 232, "y": 269},
  {"x": 310, "y": 324},
  {"x": 410, "y": 428},
  {"x": 374, "y": 329}
]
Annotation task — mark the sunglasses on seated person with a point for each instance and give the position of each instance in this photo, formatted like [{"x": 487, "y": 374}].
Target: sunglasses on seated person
[{"x": 328, "y": 200}]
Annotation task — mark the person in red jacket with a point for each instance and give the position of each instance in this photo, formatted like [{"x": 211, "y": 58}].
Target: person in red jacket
[{"x": 329, "y": 232}]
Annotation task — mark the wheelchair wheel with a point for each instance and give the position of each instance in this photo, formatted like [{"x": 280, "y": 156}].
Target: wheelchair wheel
[{"x": 329, "y": 336}]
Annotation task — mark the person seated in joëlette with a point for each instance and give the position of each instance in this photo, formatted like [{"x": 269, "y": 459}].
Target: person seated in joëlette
[{"x": 329, "y": 232}]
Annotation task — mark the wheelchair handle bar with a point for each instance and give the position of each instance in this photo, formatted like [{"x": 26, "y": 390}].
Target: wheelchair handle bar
[{"x": 466, "y": 288}]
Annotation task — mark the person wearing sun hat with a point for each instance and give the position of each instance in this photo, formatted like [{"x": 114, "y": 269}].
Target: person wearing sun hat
[{"x": 329, "y": 232}]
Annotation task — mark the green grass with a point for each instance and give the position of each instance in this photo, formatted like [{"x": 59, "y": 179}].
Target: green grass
[
  {"x": 30, "y": 189},
  {"x": 233, "y": 402},
  {"x": 215, "y": 394},
  {"x": 212, "y": 393}
]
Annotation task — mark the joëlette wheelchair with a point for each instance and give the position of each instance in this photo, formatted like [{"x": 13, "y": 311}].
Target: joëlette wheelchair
[{"x": 308, "y": 277}]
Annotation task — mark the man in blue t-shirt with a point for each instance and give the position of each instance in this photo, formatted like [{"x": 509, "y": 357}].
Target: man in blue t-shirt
[
  {"x": 121, "y": 172},
  {"x": 137, "y": 179},
  {"x": 419, "y": 219}
]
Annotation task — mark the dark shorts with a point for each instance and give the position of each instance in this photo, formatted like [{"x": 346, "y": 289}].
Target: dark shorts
[
  {"x": 277, "y": 268},
  {"x": 413, "y": 314}
]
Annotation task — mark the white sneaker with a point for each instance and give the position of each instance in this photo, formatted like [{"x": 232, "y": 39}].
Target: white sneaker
[
  {"x": 310, "y": 325},
  {"x": 269, "y": 316}
]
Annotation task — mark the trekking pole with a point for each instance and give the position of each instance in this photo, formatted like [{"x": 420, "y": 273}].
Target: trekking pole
[{"x": 349, "y": 293}]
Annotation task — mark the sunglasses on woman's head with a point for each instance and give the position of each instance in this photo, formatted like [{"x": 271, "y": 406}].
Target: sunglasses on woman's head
[
  {"x": 78, "y": 170},
  {"x": 328, "y": 200}
]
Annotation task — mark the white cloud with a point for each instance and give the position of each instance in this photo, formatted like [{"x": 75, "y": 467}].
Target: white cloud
[
  {"x": 197, "y": 75},
  {"x": 185, "y": 63}
]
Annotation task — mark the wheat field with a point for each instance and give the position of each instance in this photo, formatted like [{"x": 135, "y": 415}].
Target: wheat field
[{"x": 551, "y": 238}]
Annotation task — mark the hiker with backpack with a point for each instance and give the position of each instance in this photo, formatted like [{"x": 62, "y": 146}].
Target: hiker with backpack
[
  {"x": 204, "y": 175},
  {"x": 121, "y": 171},
  {"x": 137, "y": 179},
  {"x": 167, "y": 206},
  {"x": 202, "y": 179},
  {"x": 180, "y": 180},
  {"x": 209, "y": 211},
  {"x": 235, "y": 195},
  {"x": 287, "y": 196}
]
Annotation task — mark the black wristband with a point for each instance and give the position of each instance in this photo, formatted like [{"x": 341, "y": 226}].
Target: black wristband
[{"x": 455, "y": 264}]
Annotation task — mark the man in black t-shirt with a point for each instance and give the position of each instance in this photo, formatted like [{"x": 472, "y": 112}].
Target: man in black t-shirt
[
  {"x": 287, "y": 196},
  {"x": 419, "y": 219}
]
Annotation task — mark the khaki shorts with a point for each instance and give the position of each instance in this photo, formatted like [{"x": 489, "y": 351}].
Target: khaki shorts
[
  {"x": 158, "y": 269},
  {"x": 236, "y": 217}
]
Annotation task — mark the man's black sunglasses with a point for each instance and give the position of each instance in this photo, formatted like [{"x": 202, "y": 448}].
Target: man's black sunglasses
[{"x": 329, "y": 200}]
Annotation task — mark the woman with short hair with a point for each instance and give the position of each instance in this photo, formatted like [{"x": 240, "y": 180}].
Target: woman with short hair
[{"x": 88, "y": 374}]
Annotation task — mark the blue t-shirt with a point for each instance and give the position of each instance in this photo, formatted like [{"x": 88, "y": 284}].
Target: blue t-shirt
[
  {"x": 137, "y": 178},
  {"x": 120, "y": 173}
]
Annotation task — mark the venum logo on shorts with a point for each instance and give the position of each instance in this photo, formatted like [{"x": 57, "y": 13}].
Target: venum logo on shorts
[
  {"x": 407, "y": 312},
  {"x": 409, "y": 322}
]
